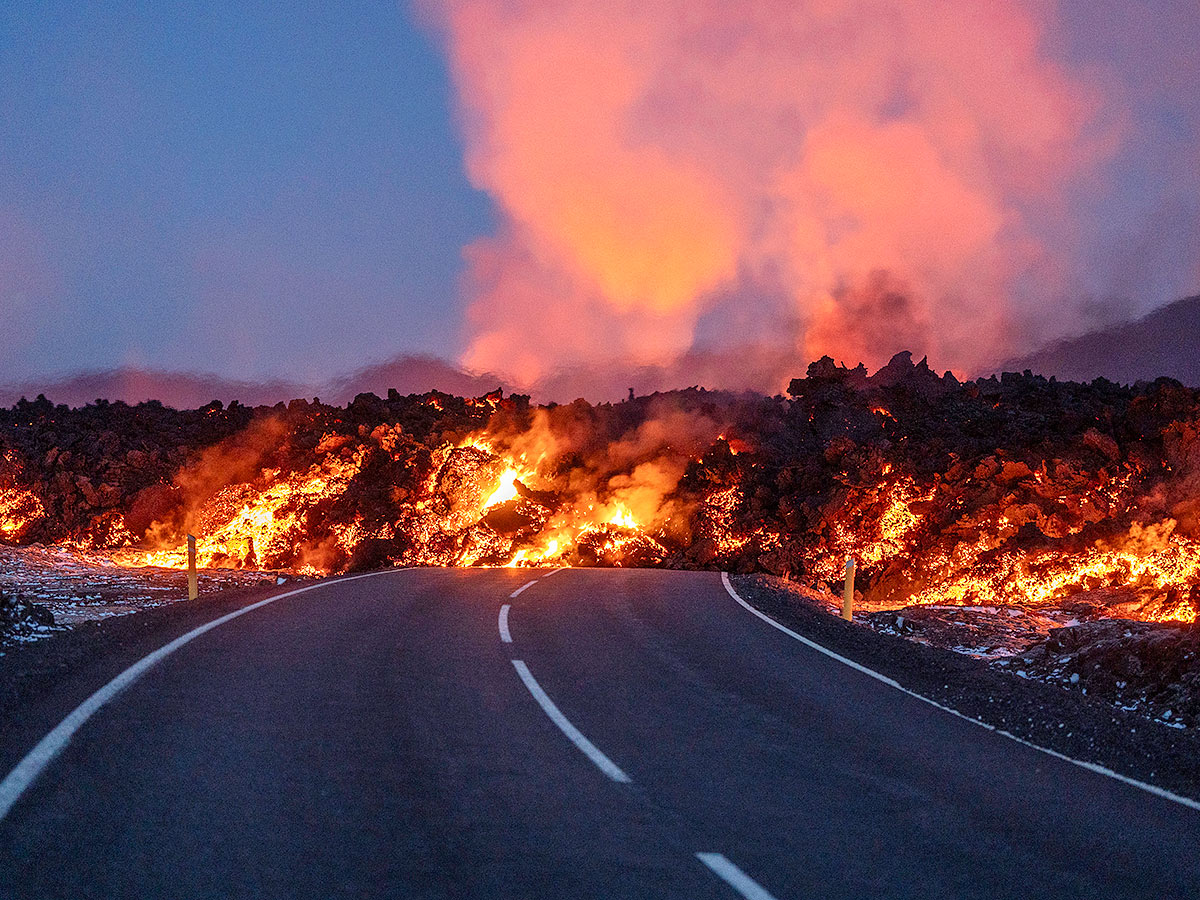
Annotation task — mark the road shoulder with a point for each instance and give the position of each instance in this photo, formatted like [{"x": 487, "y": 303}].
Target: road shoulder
[{"x": 1068, "y": 723}]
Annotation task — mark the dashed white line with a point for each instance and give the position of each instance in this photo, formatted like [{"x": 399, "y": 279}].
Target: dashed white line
[
  {"x": 519, "y": 591},
  {"x": 734, "y": 877},
  {"x": 590, "y": 750},
  {"x": 556, "y": 571},
  {"x": 505, "y": 634},
  {"x": 28, "y": 769},
  {"x": 891, "y": 682}
]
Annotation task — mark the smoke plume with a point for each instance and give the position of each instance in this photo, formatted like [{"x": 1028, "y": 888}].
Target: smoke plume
[{"x": 851, "y": 177}]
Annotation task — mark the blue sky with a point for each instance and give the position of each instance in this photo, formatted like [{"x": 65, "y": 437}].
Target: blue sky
[{"x": 258, "y": 188}]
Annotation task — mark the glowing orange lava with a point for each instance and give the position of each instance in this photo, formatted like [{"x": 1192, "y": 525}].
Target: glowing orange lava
[
  {"x": 245, "y": 527},
  {"x": 19, "y": 509}
]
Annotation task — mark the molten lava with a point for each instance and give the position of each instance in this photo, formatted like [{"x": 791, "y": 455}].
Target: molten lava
[
  {"x": 19, "y": 509},
  {"x": 1082, "y": 498},
  {"x": 245, "y": 526}
]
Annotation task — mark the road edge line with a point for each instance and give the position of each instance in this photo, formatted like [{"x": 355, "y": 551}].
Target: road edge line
[
  {"x": 891, "y": 682},
  {"x": 732, "y": 875},
  {"x": 31, "y": 766}
]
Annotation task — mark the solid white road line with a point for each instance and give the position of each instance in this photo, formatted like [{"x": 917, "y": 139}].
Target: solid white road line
[
  {"x": 28, "y": 769},
  {"x": 505, "y": 634},
  {"x": 891, "y": 682},
  {"x": 734, "y": 877},
  {"x": 522, "y": 589},
  {"x": 590, "y": 750}
]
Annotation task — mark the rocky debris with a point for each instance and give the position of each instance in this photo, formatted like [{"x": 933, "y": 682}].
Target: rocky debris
[
  {"x": 981, "y": 631},
  {"x": 1144, "y": 667},
  {"x": 21, "y": 619},
  {"x": 616, "y": 547},
  {"x": 975, "y": 494},
  {"x": 1148, "y": 668},
  {"x": 106, "y": 474}
]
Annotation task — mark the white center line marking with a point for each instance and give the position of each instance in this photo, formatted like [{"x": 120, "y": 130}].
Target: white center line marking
[
  {"x": 505, "y": 634},
  {"x": 590, "y": 750},
  {"x": 555, "y": 571},
  {"x": 28, "y": 769},
  {"x": 517, "y": 593},
  {"x": 734, "y": 877},
  {"x": 891, "y": 682}
]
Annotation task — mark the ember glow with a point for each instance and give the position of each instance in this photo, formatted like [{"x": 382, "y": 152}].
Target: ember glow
[
  {"x": 265, "y": 523},
  {"x": 20, "y": 507},
  {"x": 1152, "y": 573},
  {"x": 18, "y": 510},
  {"x": 252, "y": 526},
  {"x": 1076, "y": 498}
]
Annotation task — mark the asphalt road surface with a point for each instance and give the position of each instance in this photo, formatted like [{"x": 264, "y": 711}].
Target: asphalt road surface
[{"x": 603, "y": 734}]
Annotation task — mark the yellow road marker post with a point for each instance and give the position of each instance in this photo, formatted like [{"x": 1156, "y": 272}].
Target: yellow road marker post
[
  {"x": 848, "y": 593},
  {"x": 193, "y": 586}
]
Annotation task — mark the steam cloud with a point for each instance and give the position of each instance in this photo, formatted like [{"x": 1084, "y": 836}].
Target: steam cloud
[{"x": 850, "y": 177}]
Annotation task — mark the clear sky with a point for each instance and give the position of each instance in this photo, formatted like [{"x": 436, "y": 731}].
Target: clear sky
[
  {"x": 247, "y": 187},
  {"x": 295, "y": 190}
]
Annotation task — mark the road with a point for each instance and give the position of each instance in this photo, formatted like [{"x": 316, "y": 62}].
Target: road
[{"x": 606, "y": 734}]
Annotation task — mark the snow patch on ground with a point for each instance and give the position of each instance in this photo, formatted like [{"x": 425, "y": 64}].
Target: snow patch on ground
[{"x": 76, "y": 587}]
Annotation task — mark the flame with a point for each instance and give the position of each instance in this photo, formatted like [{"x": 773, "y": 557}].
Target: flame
[
  {"x": 265, "y": 523},
  {"x": 622, "y": 517},
  {"x": 507, "y": 490},
  {"x": 508, "y": 501}
]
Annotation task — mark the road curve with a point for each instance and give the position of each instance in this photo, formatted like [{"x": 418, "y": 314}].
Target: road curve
[{"x": 638, "y": 734}]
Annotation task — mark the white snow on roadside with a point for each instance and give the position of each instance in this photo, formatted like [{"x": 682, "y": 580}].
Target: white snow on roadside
[{"x": 80, "y": 588}]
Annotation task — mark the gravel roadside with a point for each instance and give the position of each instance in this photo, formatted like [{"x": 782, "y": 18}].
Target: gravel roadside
[{"x": 1047, "y": 715}]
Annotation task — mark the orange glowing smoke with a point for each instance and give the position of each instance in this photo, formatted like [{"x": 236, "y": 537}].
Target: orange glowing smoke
[
  {"x": 246, "y": 526},
  {"x": 877, "y": 165}
]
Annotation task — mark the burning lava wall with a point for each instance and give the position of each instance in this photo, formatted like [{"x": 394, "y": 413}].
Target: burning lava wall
[{"x": 1011, "y": 490}]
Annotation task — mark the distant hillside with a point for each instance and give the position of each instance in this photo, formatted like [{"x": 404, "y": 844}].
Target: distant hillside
[
  {"x": 181, "y": 390},
  {"x": 189, "y": 390},
  {"x": 1166, "y": 342}
]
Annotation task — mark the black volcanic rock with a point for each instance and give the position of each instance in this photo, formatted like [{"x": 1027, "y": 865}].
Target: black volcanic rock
[{"x": 1143, "y": 666}]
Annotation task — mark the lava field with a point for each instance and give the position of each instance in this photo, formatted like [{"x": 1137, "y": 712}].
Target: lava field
[{"x": 1018, "y": 491}]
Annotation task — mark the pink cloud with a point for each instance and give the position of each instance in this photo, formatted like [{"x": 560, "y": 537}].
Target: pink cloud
[{"x": 648, "y": 156}]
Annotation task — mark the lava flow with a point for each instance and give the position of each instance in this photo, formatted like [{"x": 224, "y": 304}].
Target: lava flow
[
  {"x": 1001, "y": 492},
  {"x": 19, "y": 507}
]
